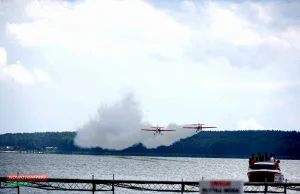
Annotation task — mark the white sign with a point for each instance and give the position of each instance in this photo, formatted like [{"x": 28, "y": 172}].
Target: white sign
[
  {"x": 278, "y": 178},
  {"x": 221, "y": 186}
]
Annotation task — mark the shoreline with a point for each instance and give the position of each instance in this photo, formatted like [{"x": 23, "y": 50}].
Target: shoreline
[
  {"x": 152, "y": 155},
  {"x": 10, "y": 151}
]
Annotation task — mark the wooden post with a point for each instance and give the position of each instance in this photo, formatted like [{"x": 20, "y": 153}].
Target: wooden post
[{"x": 182, "y": 186}]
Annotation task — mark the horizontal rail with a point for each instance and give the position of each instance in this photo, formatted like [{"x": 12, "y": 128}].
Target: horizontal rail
[{"x": 68, "y": 180}]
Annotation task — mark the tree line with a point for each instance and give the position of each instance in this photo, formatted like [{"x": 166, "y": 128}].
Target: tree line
[{"x": 207, "y": 143}]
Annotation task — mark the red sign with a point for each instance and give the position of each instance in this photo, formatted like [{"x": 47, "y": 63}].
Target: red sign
[
  {"x": 27, "y": 177},
  {"x": 220, "y": 183},
  {"x": 221, "y": 187}
]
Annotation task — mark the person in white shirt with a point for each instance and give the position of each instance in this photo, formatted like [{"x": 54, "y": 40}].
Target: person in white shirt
[{"x": 272, "y": 158}]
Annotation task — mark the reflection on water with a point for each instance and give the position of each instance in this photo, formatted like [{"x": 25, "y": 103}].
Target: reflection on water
[{"x": 134, "y": 168}]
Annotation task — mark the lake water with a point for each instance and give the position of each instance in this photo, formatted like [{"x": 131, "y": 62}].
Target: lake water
[{"x": 134, "y": 168}]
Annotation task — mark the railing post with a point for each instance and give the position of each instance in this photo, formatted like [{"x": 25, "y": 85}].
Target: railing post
[
  {"x": 182, "y": 186},
  {"x": 113, "y": 184},
  {"x": 285, "y": 186},
  {"x": 18, "y": 187},
  {"x": 266, "y": 186},
  {"x": 94, "y": 185}
]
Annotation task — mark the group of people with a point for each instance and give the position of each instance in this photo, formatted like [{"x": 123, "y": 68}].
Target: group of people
[{"x": 264, "y": 158}]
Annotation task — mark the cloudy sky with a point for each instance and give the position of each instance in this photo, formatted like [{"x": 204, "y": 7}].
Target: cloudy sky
[{"x": 233, "y": 64}]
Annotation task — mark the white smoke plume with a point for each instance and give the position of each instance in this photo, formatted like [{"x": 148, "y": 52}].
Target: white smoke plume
[{"x": 119, "y": 126}]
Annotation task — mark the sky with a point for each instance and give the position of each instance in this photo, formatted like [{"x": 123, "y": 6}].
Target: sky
[{"x": 230, "y": 64}]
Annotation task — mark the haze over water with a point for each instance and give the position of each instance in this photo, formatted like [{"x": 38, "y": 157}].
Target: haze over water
[{"x": 133, "y": 167}]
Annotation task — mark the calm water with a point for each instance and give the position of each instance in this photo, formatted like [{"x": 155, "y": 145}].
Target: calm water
[{"x": 135, "y": 168}]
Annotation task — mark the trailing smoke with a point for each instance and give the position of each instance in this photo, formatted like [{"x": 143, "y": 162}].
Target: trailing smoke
[{"x": 118, "y": 127}]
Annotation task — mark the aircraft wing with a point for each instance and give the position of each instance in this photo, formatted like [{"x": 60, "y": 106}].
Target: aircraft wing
[
  {"x": 167, "y": 130},
  {"x": 196, "y": 127},
  {"x": 191, "y": 127},
  {"x": 148, "y": 129}
]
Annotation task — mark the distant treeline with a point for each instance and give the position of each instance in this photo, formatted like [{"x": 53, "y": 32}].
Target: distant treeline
[{"x": 236, "y": 144}]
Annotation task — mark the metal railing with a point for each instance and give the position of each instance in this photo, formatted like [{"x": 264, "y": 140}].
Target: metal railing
[{"x": 98, "y": 185}]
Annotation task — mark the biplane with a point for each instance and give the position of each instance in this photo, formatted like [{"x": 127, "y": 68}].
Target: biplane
[
  {"x": 158, "y": 130},
  {"x": 198, "y": 127}
]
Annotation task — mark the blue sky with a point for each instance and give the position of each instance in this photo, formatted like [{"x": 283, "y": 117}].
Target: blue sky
[{"x": 228, "y": 64}]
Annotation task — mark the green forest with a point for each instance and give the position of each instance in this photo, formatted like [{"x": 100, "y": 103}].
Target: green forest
[{"x": 234, "y": 144}]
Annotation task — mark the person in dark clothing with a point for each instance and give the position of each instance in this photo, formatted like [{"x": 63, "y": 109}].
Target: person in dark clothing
[
  {"x": 252, "y": 160},
  {"x": 259, "y": 157},
  {"x": 266, "y": 157}
]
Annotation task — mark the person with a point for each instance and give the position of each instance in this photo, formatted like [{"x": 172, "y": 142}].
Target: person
[
  {"x": 272, "y": 158},
  {"x": 252, "y": 160},
  {"x": 277, "y": 164},
  {"x": 259, "y": 157},
  {"x": 266, "y": 157}
]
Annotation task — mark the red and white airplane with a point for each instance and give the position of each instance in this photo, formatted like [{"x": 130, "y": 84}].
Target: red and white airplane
[
  {"x": 198, "y": 127},
  {"x": 157, "y": 130}
]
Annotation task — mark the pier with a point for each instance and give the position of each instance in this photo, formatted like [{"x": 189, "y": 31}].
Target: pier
[{"x": 117, "y": 186}]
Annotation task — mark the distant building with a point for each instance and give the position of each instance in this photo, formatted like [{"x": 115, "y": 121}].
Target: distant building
[{"x": 9, "y": 148}]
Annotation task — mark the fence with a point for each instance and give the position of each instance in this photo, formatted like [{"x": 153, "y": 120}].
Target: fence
[{"x": 96, "y": 185}]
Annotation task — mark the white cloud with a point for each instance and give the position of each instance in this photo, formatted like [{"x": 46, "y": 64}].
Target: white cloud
[
  {"x": 253, "y": 124},
  {"x": 235, "y": 30},
  {"x": 115, "y": 28},
  {"x": 249, "y": 124},
  {"x": 247, "y": 85},
  {"x": 185, "y": 62},
  {"x": 262, "y": 13},
  {"x": 41, "y": 75},
  {"x": 3, "y": 56},
  {"x": 241, "y": 34},
  {"x": 18, "y": 72}
]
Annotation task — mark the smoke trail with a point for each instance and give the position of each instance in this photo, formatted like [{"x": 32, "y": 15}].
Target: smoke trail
[{"x": 118, "y": 127}]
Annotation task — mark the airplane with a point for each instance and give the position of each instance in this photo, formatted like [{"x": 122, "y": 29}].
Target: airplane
[
  {"x": 198, "y": 127},
  {"x": 157, "y": 130}
]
